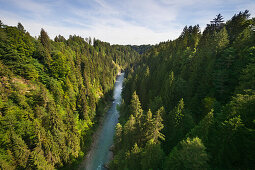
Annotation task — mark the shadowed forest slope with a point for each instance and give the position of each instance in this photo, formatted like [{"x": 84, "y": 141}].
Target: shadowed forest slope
[{"x": 190, "y": 102}]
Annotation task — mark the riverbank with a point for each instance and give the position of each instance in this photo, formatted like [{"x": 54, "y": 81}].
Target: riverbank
[
  {"x": 95, "y": 136},
  {"x": 101, "y": 116},
  {"x": 91, "y": 136},
  {"x": 102, "y": 140}
]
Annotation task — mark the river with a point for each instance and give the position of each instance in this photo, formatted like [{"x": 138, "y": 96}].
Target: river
[{"x": 100, "y": 154}]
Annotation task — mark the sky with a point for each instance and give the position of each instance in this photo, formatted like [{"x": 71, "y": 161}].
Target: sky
[{"x": 124, "y": 22}]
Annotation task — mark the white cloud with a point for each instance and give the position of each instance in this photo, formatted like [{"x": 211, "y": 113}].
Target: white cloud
[
  {"x": 38, "y": 9},
  {"x": 118, "y": 21}
]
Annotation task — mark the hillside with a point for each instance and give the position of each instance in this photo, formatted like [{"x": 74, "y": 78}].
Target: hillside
[
  {"x": 190, "y": 102},
  {"x": 52, "y": 94}
]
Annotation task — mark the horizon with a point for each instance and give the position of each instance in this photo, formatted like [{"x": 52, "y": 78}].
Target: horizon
[{"x": 118, "y": 22}]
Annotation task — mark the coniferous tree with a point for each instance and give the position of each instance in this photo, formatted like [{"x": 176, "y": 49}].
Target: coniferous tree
[
  {"x": 59, "y": 38},
  {"x": 118, "y": 136},
  {"x": 153, "y": 156},
  {"x": 51, "y": 94},
  {"x": 135, "y": 158},
  {"x": 209, "y": 71},
  {"x": 217, "y": 22},
  {"x": 21, "y": 27},
  {"x": 237, "y": 24},
  {"x": 178, "y": 113},
  {"x": 149, "y": 126},
  {"x": 44, "y": 39},
  {"x": 137, "y": 111},
  {"x": 158, "y": 126},
  {"x": 129, "y": 131},
  {"x": 135, "y": 107},
  {"x": 202, "y": 129},
  {"x": 191, "y": 154},
  {"x": 1, "y": 24}
]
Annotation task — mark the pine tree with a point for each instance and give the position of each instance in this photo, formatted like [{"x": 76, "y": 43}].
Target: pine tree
[
  {"x": 237, "y": 24},
  {"x": 158, "y": 126},
  {"x": 1, "y": 24},
  {"x": 221, "y": 39},
  {"x": 178, "y": 113},
  {"x": 135, "y": 107},
  {"x": 169, "y": 91},
  {"x": 217, "y": 22},
  {"x": 202, "y": 129},
  {"x": 137, "y": 111},
  {"x": 118, "y": 136},
  {"x": 148, "y": 126},
  {"x": 190, "y": 154},
  {"x": 59, "y": 38},
  {"x": 45, "y": 39},
  {"x": 19, "y": 150},
  {"x": 135, "y": 158},
  {"x": 21, "y": 27},
  {"x": 152, "y": 157},
  {"x": 129, "y": 131}
]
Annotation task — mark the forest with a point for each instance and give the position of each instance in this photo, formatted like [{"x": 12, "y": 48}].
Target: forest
[
  {"x": 52, "y": 95},
  {"x": 189, "y": 103}
]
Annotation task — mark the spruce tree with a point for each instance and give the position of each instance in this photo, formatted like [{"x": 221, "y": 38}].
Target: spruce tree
[
  {"x": 45, "y": 39},
  {"x": 21, "y": 27},
  {"x": 153, "y": 156},
  {"x": 148, "y": 126},
  {"x": 189, "y": 154},
  {"x": 129, "y": 131},
  {"x": 118, "y": 136},
  {"x": 135, "y": 107},
  {"x": 158, "y": 126}
]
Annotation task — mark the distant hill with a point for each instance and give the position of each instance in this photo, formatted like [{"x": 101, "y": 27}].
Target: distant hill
[{"x": 141, "y": 48}]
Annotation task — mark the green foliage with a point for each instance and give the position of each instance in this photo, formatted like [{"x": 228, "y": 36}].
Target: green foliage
[
  {"x": 141, "y": 48},
  {"x": 149, "y": 125},
  {"x": 129, "y": 131},
  {"x": 144, "y": 130},
  {"x": 49, "y": 93},
  {"x": 118, "y": 136},
  {"x": 158, "y": 126},
  {"x": 178, "y": 113},
  {"x": 21, "y": 27},
  {"x": 191, "y": 154},
  {"x": 135, "y": 155},
  {"x": 152, "y": 157},
  {"x": 44, "y": 39},
  {"x": 59, "y": 67},
  {"x": 136, "y": 108},
  {"x": 203, "y": 127},
  {"x": 213, "y": 74}
]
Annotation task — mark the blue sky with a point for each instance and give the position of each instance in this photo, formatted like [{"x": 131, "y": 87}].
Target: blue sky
[{"x": 118, "y": 21}]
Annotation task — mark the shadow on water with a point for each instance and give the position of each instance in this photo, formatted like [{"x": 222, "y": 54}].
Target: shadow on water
[{"x": 100, "y": 154}]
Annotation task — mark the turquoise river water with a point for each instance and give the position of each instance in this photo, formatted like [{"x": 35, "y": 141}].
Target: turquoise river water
[{"x": 100, "y": 152}]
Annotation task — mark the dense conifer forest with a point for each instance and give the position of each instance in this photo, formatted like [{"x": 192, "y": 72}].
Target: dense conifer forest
[
  {"x": 189, "y": 103},
  {"x": 52, "y": 94}
]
